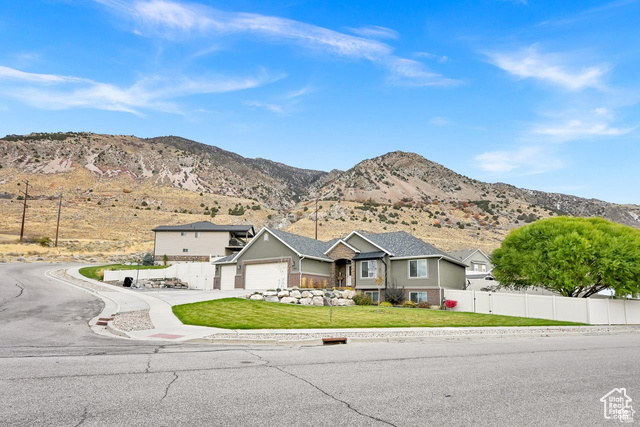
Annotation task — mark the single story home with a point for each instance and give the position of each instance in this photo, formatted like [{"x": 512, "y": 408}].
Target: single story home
[
  {"x": 370, "y": 262},
  {"x": 478, "y": 263},
  {"x": 199, "y": 241}
]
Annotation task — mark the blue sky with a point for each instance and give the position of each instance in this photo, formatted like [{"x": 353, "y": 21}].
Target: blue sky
[{"x": 539, "y": 94}]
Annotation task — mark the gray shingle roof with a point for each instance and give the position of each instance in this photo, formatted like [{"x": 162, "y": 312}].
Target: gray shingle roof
[
  {"x": 462, "y": 254},
  {"x": 304, "y": 245},
  {"x": 205, "y": 226},
  {"x": 403, "y": 244},
  {"x": 228, "y": 258}
]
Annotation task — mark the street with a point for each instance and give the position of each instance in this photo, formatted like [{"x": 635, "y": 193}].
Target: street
[{"x": 55, "y": 372}]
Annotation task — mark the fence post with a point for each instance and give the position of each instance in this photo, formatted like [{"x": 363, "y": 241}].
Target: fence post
[
  {"x": 474, "y": 301},
  {"x": 490, "y": 303},
  {"x": 624, "y": 305},
  {"x": 588, "y": 310},
  {"x": 526, "y": 305},
  {"x": 553, "y": 303},
  {"x": 608, "y": 313}
]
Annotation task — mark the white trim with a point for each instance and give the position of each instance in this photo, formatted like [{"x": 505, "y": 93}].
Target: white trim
[
  {"x": 374, "y": 244},
  {"x": 344, "y": 243}
]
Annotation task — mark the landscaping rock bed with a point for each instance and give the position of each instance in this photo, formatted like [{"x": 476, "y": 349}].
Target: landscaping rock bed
[
  {"x": 133, "y": 321},
  {"x": 316, "y": 297}
]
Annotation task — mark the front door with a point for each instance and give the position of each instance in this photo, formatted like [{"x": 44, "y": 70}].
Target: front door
[{"x": 348, "y": 273}]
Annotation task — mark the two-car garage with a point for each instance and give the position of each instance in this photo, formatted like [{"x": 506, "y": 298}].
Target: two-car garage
[{"x": 257, "y": 276}]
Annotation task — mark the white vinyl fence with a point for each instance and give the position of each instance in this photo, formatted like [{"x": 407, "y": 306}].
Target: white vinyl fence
[
  {"x": 593, "y": 311},
  {"x": 198, "y": 275}
]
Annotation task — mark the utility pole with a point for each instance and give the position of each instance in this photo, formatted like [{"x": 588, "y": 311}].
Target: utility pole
[
  {"x": 316, "y": 218},
  {"x": 58, "y": 225},
  {"x": 24, "y": 209}
]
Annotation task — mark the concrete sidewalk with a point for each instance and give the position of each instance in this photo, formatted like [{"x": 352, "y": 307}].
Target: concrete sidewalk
[{"x": 167, "y": 327}]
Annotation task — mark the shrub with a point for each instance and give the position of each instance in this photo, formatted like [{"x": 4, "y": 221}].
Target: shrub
[
  {"x": 409, "y": 304},
  {"x": 386, "y": 304},
  {"x": 165, "y": 259},
  {"x": 362, "y": 299},
  {"x": 394, "y": 295},
  {"x": 451, "y": 303},
  {"x": 147, "y": 259},
  {"x": 423, "y": 305},
  {"x": 44, "y": 241}
]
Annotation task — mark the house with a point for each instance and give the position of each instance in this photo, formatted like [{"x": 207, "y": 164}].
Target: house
[
  {"x": 365, "y": 261},
  {"x": 478, "y": 263},
  {"x": 199, "y": 241}
]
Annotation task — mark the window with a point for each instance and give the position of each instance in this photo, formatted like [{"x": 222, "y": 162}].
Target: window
[
  {"x": 197, "y": 234},
  {"x": 185, "y": 250},
  {"x": 374, "y": 295},
  {"x": 368, "y": 269},
  {"x": 418, "y": 297},
  {"x": 475, "y": 267},
  {"x": 266, "y": 237},
  {"x": 484, "y": 267},
  {"x": 183, "y": 233},
  {"x": 417, "y": 268}
]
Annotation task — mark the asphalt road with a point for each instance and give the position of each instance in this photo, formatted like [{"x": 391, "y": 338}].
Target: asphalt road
[{"x": 54, "y": 371}]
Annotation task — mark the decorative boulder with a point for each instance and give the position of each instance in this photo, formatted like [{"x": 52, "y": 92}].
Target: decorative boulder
[
  {"x": 338, "y": 294},
  {"x": 342, "y": 301},
  {"x": 317, "y": 293},
  {"x": 295, "y": 294},
  {"x": 306, "y": 294},
  {"x": 318, "y": 300},
  {"x": 270, "y": 294},
  {"x": 329, "y": 294},
  {"x": 283, "y": 294},
  {"x": 271, "y": 298},
  {"x": 288, "y": 300},
  {"x": 256, "y": 297},
  {"x": 348, "y": 294},
  {"x": 349, "y": 302},
  {"x": 306, "y": 301},
  {"x": 334, "y": 302}
]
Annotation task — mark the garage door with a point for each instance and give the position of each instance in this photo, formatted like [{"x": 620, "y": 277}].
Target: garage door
[
  {"x": 266, "y": 276},
  {"x": 228, "y": 277}
]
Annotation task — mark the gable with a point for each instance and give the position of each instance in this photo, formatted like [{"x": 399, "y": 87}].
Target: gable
[
  {"x": 341, "y": 251},
  {"x": 259, "y": 249},
  {"x": 361, "y": 244}
]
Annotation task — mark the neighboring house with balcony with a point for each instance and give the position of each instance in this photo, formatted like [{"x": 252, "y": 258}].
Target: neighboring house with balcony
[
  {"x": 370, "y": 262},
  {"x": 478, "y": 263},
  {"x": 199, "y": 241}
]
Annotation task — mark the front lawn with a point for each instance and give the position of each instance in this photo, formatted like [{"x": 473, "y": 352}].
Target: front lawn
[
  {"x": 237, "y": 313},
  {"x": 97, "y": 272}
]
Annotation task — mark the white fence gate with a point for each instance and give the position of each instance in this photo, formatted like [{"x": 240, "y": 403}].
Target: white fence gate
[
  {"x": 197, "y": 275},
  {"x": 582, "y": 310}
]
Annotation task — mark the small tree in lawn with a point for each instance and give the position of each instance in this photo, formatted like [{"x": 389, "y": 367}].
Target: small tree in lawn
[
  {"x": 379, "y": 282},
  {"x": 575, "y": 257}
]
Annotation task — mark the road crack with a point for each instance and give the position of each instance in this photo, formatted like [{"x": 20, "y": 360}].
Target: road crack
[
  {"x": 347, "y": 404},
  {"x": 166, "y": 391},
  {"x": 16, "y": 297},
  {"x": 83, "y": 417}
]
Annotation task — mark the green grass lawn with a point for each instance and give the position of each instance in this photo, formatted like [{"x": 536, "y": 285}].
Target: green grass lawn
[
  {"x": 96, "y": 272},
  {"x": 236, "y": 313}
]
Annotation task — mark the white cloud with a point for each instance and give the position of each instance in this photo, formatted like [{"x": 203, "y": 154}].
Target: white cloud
[
  {"x": 171, "y": 19},
  {"x": 270, "y": 107},
  {"x": 376, "y": 32},
  {"x": 440, "y": 121},
  {"x": 55, "y": 92},
  {"x": 550, "y": 68},
  {"x": 439, "y": 58},
  {"x": 579, "y": 129},
  {"x": 523, "y": 161}
]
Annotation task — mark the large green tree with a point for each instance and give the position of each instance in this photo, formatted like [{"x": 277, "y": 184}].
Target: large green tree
[{"x": 575, "y": 257}]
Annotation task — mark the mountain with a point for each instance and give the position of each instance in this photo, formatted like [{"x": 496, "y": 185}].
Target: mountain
[{"x": 119, "y": 187}]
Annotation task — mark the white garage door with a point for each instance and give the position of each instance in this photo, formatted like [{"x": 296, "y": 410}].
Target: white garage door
[
  {"x": 266, "y": 276},
  {"x": 228, "y": 277}
]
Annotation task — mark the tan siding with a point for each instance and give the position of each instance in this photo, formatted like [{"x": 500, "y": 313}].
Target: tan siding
[
  {"x": 361, "y": 244},
  {"x": 452, "y": 275},
  {"x": 400, "y": 274},
  {"x": 273, "y": 249},
  {"x": 312, "y": 266},
  {"x": 171, "y": 243}
]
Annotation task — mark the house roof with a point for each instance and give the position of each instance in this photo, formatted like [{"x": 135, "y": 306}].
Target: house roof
[
  {"x": 402, "y": 244},
  {"x": 335, "y": 242},
  {"x": 226, "y": 260},
  {"x": 369, "y": 255},
  {"x": 305, "y": 246},
  {"x": 206, "y": 226},
  {"x": 463, "y": 254}
]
